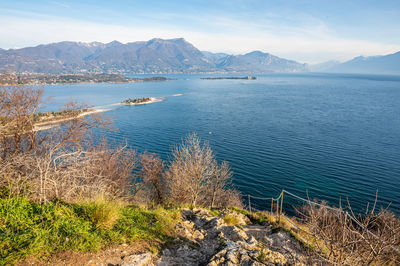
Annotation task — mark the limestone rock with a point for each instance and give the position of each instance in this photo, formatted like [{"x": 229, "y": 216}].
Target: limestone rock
[
  {"x": 138, "y": 260},
  {"x": 208, "y": 240}
]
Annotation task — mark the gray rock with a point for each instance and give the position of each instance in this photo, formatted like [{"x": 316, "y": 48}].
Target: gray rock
[
  {"x": 208, "y": 240},
  {"x": 138, "y": 260}
]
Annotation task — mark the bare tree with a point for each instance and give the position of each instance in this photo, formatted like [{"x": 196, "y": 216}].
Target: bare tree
[
  {"x": 152, "y": 174},
  {"x": 219, "y": 181},
  {"x": 18, "y": 105},
  {"x": 195, "y": 177},
  {"x": 190, "y": 170}
]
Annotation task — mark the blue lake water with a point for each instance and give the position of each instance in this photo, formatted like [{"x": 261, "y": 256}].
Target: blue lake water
[{"x": 335, "y": 136}]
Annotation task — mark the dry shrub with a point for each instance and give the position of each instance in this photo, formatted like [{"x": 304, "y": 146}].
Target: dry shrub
[
  {"x": 194, "y": 176},
  {"x": 69, "y": 176},
  {"x": 356, "y": 240},
  {"x": 230, "y": 198},
  {"x": 152, "y": 175},
  {"x": 190, "y": 170},
  {"x": 17, "y": 107},
  {"x": 88, "y": 173}
]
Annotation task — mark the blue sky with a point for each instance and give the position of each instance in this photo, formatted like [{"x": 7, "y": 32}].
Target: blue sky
[{"x": 304, "y": 30}]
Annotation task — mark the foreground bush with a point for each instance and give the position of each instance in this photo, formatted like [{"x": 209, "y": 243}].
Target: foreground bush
[
  {"x": 195, "y": 177},
  {"x": 348, "y": 239},
  {"x": 28, "y": 228}
]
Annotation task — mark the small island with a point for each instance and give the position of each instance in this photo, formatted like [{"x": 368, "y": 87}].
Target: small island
[
  {"x": 248, "y": 77},
  {"x": 139, "y": 101}
]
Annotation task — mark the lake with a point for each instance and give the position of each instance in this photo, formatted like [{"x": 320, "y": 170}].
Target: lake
[{"x": 329, "y": 135}]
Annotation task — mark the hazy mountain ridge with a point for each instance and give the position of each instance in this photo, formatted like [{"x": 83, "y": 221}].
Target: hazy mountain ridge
[
  {"x": 259, "y": 62},
  {"x": 321, "y": 67},
  {"x": 154, "y": 56},
  {"x": 381, "y": 64}
]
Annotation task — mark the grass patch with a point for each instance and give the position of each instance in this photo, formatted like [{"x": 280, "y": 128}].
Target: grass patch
[
  {"x": 103, "y": 214},
  {"x": 215, "y": 212},
  {"x": 38, "y": 230},
  {"x": 240, "y": 211},
  {"x": 261, "y": 255},
  {"x": 257, "y": 217},
  {"x": 231, "y": 219}
]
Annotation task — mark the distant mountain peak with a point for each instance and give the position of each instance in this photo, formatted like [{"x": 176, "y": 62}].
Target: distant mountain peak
[
  {"x": 257, "y": 53},
  {"x": 114, "y": 43}
]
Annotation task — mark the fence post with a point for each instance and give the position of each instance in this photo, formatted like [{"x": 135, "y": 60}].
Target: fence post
[
  {"x": 280, "y": 210},
  {"x": 277, "y": 208},
  {"x": 248, "y": 195},
  {"x": 272, "y": 206}
]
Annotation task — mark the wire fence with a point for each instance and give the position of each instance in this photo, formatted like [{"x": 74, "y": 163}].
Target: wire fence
[{"x": 276, "y": 209}]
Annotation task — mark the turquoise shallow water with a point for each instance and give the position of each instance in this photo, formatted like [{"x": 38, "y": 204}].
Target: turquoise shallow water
[{"x": 335, "y": 136}]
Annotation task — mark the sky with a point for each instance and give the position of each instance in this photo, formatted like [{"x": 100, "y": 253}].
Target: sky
[{"x": 309, "y": 31}]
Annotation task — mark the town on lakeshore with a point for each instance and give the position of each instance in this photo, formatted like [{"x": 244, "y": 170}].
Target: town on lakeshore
[{"x": 45, "y": 78}]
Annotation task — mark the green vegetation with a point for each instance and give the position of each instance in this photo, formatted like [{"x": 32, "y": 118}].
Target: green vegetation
[
  {"x": 28, "y": 228},
  {"x": 231, "y": 219},
  {"x": 261, "y": 255},
  {"x": 215, "y": 212},
  {"x": 244, "y": 212}
]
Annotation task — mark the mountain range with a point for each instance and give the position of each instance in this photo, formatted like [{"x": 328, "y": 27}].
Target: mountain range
[
  {"x": 381, "y": 64},
  {"x": 154, "y": 56}
]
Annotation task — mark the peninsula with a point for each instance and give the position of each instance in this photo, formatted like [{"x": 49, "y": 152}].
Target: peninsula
[{"x": 46, "y": 120}]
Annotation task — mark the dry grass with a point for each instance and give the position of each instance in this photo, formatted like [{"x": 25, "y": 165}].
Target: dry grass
[
  {"x": 103, "y": 213},
  {"x": 231, "y": 219}
]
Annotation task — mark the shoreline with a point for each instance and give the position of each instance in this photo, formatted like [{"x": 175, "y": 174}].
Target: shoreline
[{"x": 50, "y": 124}]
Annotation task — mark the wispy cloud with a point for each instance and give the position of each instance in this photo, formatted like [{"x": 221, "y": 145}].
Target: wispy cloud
[
  {"x": 309, "y": 41},
  {"x": 61, "y": 4}
]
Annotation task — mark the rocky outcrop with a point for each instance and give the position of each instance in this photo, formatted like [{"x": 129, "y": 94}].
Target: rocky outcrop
[{"x": 205, "y": 239}]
